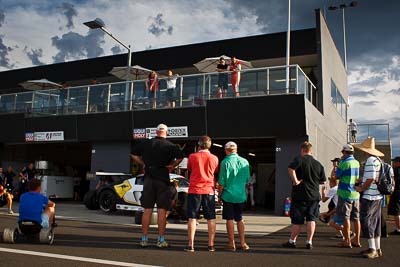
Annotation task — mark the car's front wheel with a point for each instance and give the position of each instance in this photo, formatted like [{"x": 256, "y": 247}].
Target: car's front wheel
[{"x": 108, "y": 201}]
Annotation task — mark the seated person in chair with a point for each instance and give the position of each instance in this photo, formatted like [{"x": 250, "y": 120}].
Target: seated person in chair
[
  {"x": 35, "y": 207},
  {"x": 6, "y": 198}
]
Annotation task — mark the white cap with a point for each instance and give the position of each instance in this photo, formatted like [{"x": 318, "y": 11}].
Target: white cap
[
  {"x": 348, "y": 148},
  {"x": 230, "y": 145},
  {"x": 162, "y": 127}
]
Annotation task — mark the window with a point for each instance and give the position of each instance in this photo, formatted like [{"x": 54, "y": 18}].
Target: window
[{"x": 338, "y": 101}]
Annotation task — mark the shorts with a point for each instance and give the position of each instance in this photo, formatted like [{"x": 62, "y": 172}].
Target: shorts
[
  {"x": 151, "y": 94},
  {"x": 348, "y": 209},
  {"x": 170, "y": 94},
  {"x": 337, "y": 220},
  {"x": 45, "y": 221},
  {"x": 394, "y": 204},
  {"x": 304, "y": 209},
  {"x": 353, "y": 133},
  {"x": 205, "y": 201},
  {"x": 223, "y": 81},
  {"x": 232, "y": 211},
  {"x": 3, "y": 200},
  {"x": 156, "y": 191},
  {"x": 371, "y": 218}
]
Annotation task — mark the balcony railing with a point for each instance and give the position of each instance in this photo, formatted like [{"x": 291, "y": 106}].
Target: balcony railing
[
  {"x": 380, "y": 132},
  {"x": 191, "y": 90}
]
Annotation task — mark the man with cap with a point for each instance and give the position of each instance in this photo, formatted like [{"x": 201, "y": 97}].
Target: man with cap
[
  {"x": 159, "y": 157},
  {"x": 202, "y": 166},
  {"x": 348, "y": 205},
  {"x": 234, "y": 174},
  {"x": 306, "y": 174},
  {"x": 371, "y": 201},
  {"x": 335, "y": 163},
  {"x": 394, "y": 203}
]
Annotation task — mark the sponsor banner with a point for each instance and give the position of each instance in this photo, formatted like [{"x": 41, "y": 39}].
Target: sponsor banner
[
  {"x": 139, "y": 133},
  {"x": 44, "y": 136},
  {"x": 29, "y": 137},
  {"x": 173, "y": 132}
]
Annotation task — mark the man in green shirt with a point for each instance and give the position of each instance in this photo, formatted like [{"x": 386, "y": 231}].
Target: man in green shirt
[{"x": 233, "y": 176}]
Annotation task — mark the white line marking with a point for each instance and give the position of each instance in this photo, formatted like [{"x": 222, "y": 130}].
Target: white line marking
[{"x": 72, "y": 258}]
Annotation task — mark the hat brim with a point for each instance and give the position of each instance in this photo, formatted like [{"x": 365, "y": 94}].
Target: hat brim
[{"x": 371, "y": 151}]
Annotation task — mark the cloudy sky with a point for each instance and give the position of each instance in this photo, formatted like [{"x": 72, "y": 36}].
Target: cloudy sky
[{"x": 35, "y": 32}]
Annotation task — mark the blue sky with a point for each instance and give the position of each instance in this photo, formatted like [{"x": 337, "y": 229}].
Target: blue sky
[{"x": 39, "y": 32}]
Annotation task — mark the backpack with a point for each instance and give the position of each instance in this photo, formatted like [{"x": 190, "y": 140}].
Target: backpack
[{"x": 385, "y": 183}]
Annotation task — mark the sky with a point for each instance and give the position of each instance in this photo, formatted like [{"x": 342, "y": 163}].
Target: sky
[{"x": 36, "y": 32}]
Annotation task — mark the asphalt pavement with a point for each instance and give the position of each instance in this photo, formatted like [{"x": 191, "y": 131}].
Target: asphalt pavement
[{"x": 81, "y": 243}]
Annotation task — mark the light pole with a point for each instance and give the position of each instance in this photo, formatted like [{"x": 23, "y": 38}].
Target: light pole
[
  {"x": 342, "y": 7},
  {"x": 98, "y": 24},
  {"x": 288, "y": 51}
]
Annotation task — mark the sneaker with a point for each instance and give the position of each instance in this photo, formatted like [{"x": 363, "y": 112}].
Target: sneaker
[
  {"x": 309, "y": 246},
  {"x": 189, "y": 249},
  {"x": 211, "y": 248},
  {"x": 372, "y": 254},
  {"x": 163, "y": 244},
  {"x": 10, "y": 212},
  {"x": 379, "y": 251},
  {"x": 144, "y": 243},
  {"x": 289, "y": 245}
]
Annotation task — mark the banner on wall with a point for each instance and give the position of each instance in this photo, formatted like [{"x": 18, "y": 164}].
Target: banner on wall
[
  {"x": 173, "y": 132},
  {"x": 44, "y": 136}
]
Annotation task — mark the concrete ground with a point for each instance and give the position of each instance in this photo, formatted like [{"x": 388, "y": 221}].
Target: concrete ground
[{"x": 90, "y": 238}]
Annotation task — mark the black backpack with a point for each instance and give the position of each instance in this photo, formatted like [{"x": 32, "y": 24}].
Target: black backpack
[{"x": 385, "y": 183}]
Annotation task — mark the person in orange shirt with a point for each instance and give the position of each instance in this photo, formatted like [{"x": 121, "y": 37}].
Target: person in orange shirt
[
  {"x": 202, "y": 166},
  {"x": 152, "y": 88},
  {"x": 235, "y": 67}
]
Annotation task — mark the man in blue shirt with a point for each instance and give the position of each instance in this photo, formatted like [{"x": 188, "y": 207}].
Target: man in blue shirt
[{"x": 33, "y": 206}]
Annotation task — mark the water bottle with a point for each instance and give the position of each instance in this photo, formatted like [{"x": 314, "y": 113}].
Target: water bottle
[{"x": 287, "y": 207}]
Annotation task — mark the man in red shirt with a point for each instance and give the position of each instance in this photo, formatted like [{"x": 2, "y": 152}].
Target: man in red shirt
[{"x": 202, "y": 166}]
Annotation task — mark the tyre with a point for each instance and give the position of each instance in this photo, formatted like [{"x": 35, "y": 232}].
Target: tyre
[
  {"x": 90, "y": 200},
  {"x": 9, "y": 235},
  {"x": 46, "y": 236},
  {"x": 108, "y": 201},
  {"x": 182, "y": 205},
  {"x": 138, "y": 217}
]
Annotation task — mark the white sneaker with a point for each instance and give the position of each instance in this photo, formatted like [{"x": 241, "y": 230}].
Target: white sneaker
[{"x": 10, "y": 212}]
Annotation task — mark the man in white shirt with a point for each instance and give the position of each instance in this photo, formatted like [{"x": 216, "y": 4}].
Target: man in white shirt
[
  {"x": 171, "y": 85},
  {"x": 371, "y": 201},
  {"x": 353, "y": 130}
]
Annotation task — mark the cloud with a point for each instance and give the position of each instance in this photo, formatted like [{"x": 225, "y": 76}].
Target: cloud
[
  {"x": 34, "y": 55},
  {"x": 4, "y": 49},
  {"x": 2, "y": 17},
  {"x": 362, "y": 93},
  {"x": 116, "y": 49},
  {"x": 69, "y": 12},
  {"x": 158, "y": 26},
  {"x": 73, "y": 46},
  {"x": 395, "y": 91},
  {"x": 367, "y": 103}
]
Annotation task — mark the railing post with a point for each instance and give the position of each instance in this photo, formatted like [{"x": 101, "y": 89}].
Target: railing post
[
  {"x": 297, "y": 80},
  {"x": 108, "y": 97},
  {"x": 181, "y": 91},
  {"x": 33, "y": 101},
  {"x": 131, "y": 96},
  {"x": 268, "y": 81},
  {"x": 15, "y": 103},
  {"x": 209, "y": 86},
  {"x": 87, "y": 99}
]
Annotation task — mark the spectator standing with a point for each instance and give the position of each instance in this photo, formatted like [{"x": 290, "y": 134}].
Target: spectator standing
[
  {"x": 233, "y": 176},
  {"x": 159, "y": 157},
  {"x": 152, "y": 88},
  {"x": 171, "y": 86},
  {"x": 9, "y": 179},
  {"x": 335, "y": 164},
  {"x": 27, "y": 174},
  {"x": 394, "y": 203},
  {"x": 202, "y": 166},
  {"x": 222, "y": 68},
  {"x": 2, "y": 177},
  {"x": 348, "y": 207},
  {"x": 235, "y": 67},
  {"x": 306, "y": 174},
  {"x": 250, "y": 191},
  {"x": 353, "y": 130},
  {"x": 371, "y": 201},
  {"x": 6, "y": 198}
]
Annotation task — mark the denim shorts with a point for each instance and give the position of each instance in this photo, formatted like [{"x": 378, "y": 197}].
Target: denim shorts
[{"x": 45, "y": 221}]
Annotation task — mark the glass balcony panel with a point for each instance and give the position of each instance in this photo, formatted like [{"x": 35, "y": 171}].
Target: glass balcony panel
[
  {"x": 117, "y": 97},
  {"x": 277, "y": 81},
  {"x": 98, "y": 95},
  {"x": 192, "y": 94},
  {"x": 47, "y": 102},
  {"x": 24, "y": 102},
  {"x": 301, "y": 83},
  {"x": 7, "y": 103},
  {"x": 77, "y": 100},
  {"x": 140, "y": 95}
]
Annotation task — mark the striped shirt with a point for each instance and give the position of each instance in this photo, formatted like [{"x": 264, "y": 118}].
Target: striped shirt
[
  {"x": 372, "y": 170},
  {"x": 347, "y": 173}
]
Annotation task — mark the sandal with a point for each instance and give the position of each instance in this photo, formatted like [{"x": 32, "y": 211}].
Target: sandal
[
  {"x": 343, "y": 245},
  {"x": 245, "y": 247},
  {"x": 356, "y": 245},
  {"x": 230, "y": 248}
]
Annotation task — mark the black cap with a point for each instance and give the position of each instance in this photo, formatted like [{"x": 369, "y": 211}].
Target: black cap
[{"x": 335, "y": 159}]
